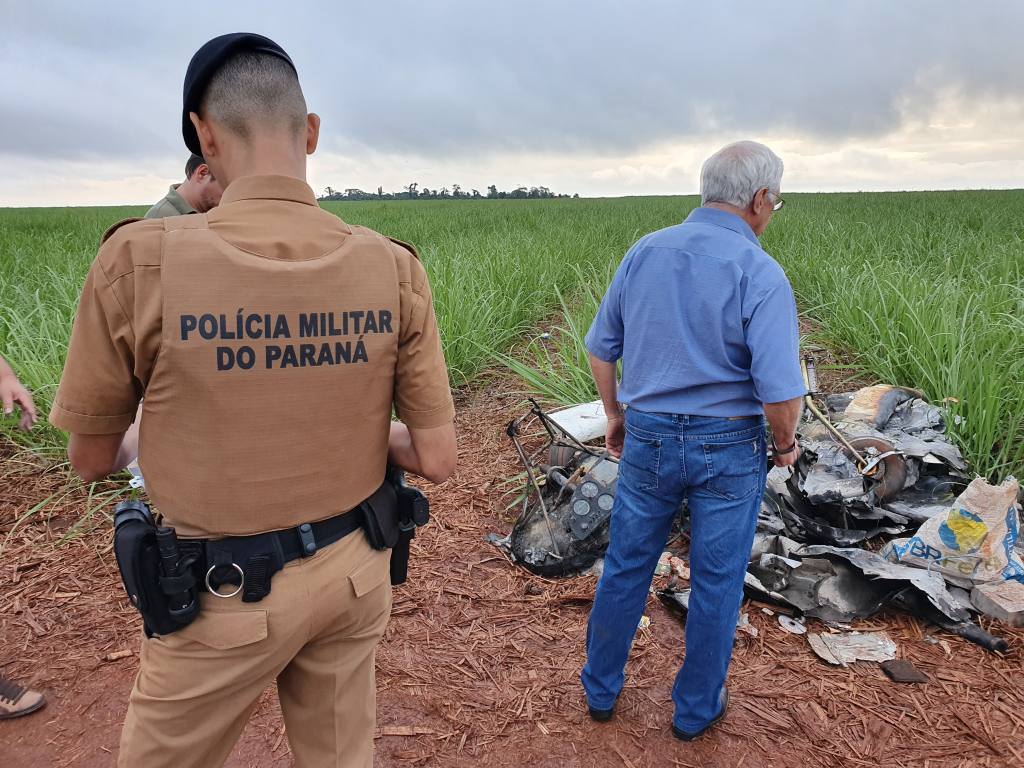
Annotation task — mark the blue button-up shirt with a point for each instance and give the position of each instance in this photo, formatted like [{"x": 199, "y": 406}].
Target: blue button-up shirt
[{"x": 703, "y": 320}]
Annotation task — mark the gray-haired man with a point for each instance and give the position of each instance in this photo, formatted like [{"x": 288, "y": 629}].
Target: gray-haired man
[{"x": 705, "y": 325}]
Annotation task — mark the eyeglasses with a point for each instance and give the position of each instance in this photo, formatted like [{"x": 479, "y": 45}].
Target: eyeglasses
[{"x": 779, "y": 202}]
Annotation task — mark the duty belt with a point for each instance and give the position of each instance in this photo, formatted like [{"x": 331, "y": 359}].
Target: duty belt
[{"x": 249, "y": 562}]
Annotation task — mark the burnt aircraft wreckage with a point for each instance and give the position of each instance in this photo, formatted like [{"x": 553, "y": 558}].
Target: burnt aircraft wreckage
[
  {"x": 567, "y": 503},
  {"x": 875, "y": 461}
]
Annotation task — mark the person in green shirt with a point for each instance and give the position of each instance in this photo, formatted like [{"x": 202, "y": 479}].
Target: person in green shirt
[{"x": 197, "y": 194}]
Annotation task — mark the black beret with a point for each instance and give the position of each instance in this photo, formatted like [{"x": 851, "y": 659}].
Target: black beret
[{"x": 205, "y": 64}]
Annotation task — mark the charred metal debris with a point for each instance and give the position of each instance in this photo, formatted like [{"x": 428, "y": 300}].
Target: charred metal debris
[{"x": 875, "y": 463}]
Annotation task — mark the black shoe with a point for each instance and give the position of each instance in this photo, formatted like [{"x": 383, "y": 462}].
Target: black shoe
[
  {"x": 601, "y": 715},
  {"x": 682, "y": 735}
]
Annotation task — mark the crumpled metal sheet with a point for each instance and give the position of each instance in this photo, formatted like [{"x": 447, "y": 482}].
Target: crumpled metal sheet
[
  {"x": 826, "y": 500},
  {"x": 874, "y": 566},
  {"x": 780, "y": 571},
  {"x": 848, "y": 647},
  {"x": 838, "y": 585}
]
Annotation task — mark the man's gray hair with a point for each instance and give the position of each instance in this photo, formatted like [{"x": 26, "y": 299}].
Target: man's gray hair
[
  {"x": 736, "y": 172},
  {"x": 253, "y": 89}
]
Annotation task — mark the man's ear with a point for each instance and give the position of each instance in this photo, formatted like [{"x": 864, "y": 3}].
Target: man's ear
[
  {"x": 205, "y": 134},
  {"x": 312, "y": 132},
  {"x": 203, "y": 172},
  {"x": 759, "y": 201}
]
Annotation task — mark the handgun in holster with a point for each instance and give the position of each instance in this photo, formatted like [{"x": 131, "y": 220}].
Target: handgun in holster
[
  {"x": 391, "y": 516},
  {"x": 157, "y": 577}
]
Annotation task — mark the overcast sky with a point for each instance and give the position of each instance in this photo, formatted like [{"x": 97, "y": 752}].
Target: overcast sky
[{"x": 587, "y": 96}]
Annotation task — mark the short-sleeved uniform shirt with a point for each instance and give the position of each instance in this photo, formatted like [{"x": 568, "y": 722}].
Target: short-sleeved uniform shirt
[
  {"x": 703, "y": 320},
  {"x": 271, "y": 341},
  {"x": 172, "y": 204}
]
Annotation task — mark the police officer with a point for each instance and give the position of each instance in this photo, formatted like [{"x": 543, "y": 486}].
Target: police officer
[
  {"x": 271, "y": 341},
  {"x": 200, "y": 192}
]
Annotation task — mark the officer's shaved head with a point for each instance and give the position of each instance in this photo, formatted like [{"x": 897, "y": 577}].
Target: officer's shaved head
[{"x": 255, "y": 91}]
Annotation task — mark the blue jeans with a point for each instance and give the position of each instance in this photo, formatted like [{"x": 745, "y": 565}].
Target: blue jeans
[{"x": 720, "y": 466}]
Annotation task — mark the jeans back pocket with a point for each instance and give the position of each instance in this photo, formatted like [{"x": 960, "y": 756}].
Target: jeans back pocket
[
  {"x": 734, "y": 467},
  {"x": 641, "y": 460}
]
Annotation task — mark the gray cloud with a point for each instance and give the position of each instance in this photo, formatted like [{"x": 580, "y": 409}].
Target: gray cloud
[{"x": 454, "y": 78}]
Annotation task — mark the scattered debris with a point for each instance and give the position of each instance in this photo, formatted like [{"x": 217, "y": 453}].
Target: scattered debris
[
  {"x": 814, "y": 586},
  {"x": 972, "y": 541},
  {"x": 137, "y": 481},
  {"x": 584, "y": 422},
  {"x": 671, "y": 565},
  {"x": 911, "y": 472},
  {"x": 124, "y": 653},
  {"x": 962, "y": 596},
  {"x": 645, "y": 623},
  {"x": 848, "y": 647},
  {"x": 679, "y": 568},
  {"x": 903, "y": 671},
  {"x": 676, "y": 600},
  {"x": 837, "y": 584},
  {"x": 874, "y": 462},
  {"x": 744, "y": 626},
  {"x": 567, "y": 501},
  {"x": 880, "y": 571},
  {"x": 791, "y": 625},
  {"x": 664, "y": 567},
  {"x": 1003, "y": 600}
]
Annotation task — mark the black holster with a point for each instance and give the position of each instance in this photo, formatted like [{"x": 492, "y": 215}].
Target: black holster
[
  {"x": 159, "y": 582},
  {"x": 162, "y": 578},
  {"x": 390, "y": 518}
]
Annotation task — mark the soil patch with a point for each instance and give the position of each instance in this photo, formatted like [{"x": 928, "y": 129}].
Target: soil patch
[{"x": 480, "y": 663}]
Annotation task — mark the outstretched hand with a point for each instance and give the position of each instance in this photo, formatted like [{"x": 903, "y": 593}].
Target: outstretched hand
[{"x": 13, "y": 393}]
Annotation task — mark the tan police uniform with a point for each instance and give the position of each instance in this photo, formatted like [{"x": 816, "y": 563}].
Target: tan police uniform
[
  {"x": 172, "y": 204},
  {"x": 271, "y": 341}
]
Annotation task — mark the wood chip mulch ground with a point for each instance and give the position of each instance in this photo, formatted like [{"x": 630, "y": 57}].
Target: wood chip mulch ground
[{"x": 480, "y": 663}]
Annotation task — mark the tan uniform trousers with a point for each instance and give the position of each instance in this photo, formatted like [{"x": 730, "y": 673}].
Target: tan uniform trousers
[{"x": 315, "y": 633}]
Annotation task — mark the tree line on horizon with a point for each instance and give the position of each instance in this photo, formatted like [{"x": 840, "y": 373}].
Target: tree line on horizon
[{"x": 413, "y": 192}]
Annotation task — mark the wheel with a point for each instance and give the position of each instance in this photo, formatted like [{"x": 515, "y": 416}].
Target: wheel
[{"x": 890, "y": 475}]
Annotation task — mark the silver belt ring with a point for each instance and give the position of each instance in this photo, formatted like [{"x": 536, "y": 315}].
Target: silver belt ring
[{"x": 214, "y": 592}]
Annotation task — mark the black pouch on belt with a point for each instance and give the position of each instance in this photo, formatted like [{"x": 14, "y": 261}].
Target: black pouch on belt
[
  {"x": 380, "y": 517},
  {"x": 390, "y": 518},
  {"x": 166, "y": 600}
]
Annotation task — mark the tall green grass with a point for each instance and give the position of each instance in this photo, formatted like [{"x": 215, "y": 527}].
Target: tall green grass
[
  {"x": 496, "y": 267},
  {"x": 927, "y": 289},
  {"x": 922, "y": 289},
  {"x": 44, "y": 255}
]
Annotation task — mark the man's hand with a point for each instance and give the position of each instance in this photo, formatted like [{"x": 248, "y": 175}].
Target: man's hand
[
  {"x": 615, "y": 436},
  {"x": 607, "y": 388},
  {"x": 13, "y": 393},
  {"x": 782, "y": 418},
  {"x": 785, "y": 459}
]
